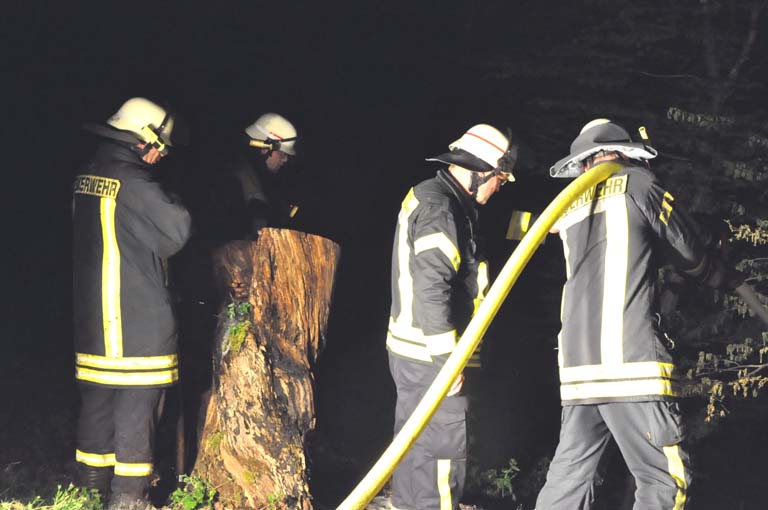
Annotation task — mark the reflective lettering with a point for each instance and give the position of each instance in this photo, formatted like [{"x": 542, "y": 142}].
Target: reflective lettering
[{"x": 103, "y": 187}]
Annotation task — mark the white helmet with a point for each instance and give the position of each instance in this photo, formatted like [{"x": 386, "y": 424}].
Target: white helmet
[
  {"x": 481, "y": 149},
  {"x": 274, "y": 132},
  {"x": 149, "y": 122},
  {"x": 600, "y": 135}
]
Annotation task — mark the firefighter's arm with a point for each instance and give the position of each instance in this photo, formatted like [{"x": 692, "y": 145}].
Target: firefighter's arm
[
  {"x": 165, "y": 223},
  {"x": 692, "y": 250},
  {"x": 437, "y": 261}
]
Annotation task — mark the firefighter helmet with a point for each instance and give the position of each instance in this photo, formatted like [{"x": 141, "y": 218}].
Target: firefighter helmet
[
  {"x": 600, "y": 135},
  {"x": 274, "y": 132},
  {"x": 148, "y": 121},
  {"x": 482, "y": 148}
]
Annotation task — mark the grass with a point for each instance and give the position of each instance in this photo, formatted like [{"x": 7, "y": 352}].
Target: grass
[
  {"x": 193, "y": 494},
  {"x": 70, "y": 498}
]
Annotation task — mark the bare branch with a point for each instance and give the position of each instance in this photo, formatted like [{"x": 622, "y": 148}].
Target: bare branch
[
  {"x": 749, "y": 40},
  {"x": 672, "y": 76},
  {"x": 737, "y": 368}
]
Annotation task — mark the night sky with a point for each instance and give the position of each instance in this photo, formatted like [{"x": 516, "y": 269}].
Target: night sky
[{"x": 373, "y": 88}]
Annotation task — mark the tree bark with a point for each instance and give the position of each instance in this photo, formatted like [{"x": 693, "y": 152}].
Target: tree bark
[{"x": 270, "y": 328}]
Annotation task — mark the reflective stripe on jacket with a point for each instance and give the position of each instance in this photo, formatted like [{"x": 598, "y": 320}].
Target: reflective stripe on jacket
[
  {"x": 124, "y": 228},
  {"x": 438, "y": 278},
  {"x": 610, "y": 346}
]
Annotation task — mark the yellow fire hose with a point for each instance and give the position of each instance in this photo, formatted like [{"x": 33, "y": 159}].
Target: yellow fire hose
[{"x": 372, "y": 483}]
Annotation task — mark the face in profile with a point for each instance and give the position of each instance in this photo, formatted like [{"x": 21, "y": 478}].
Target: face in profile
[
  {"x": 276, "y": 161},
  {"x": 488, "y": 188}
]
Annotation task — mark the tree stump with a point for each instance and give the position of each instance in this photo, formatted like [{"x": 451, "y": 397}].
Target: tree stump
[{"x": 269, "y": 332}]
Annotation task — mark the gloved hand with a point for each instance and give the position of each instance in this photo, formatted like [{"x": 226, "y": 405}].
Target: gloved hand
[
  {"x": 456, "y": 386},
  {"x": 720, "y": 276}
]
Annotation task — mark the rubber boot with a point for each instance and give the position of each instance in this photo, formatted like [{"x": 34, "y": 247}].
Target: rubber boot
[
  {"x": 97, "y": 478},
  {"x": 123, "y": 501}
]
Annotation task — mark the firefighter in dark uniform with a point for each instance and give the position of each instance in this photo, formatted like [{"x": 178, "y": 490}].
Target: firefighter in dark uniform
[
  {"x": 617, "y": 376},
  {"x": 124, "y": 229},
  {"x": 439, "y": 278},
  {"x": 252, "y": 195}
]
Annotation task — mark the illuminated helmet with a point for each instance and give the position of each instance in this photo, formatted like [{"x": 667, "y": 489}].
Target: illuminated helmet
[
  {"x": 150, "y": 123},
  {"x": 273, "y": 132},
  {"x": 600, "y": 135},
  {"x": 482, "y": 148}
]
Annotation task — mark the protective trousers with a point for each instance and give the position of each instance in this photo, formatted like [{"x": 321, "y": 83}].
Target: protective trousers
[
  {"x": 116, "y": 430},
  {"x": 431, "y": 475},
  {"x": 649, "y": 436}
]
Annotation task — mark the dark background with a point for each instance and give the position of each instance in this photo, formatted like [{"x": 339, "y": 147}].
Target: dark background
[{"x": 373, "y": 88}]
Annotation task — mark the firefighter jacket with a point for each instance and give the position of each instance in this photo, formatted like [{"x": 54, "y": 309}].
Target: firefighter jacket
[
  {"x": 245, "y": 200},
  {"x": 611, "y": 348},
  {"x": 124, "y": 228},
  {"x": 438, "y": 276}
]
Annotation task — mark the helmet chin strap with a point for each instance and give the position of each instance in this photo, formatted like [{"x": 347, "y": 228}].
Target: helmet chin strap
[
  {"x": 477, "y": 181},
  {"x": 474, "y": 184}
]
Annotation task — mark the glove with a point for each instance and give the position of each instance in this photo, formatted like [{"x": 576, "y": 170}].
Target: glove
[{"x": 719, "y": 276}]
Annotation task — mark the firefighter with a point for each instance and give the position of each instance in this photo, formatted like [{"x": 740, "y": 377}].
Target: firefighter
[
  {"x": 252, "y": 196},
  {"x": 124, "y": 229},
  {"x": 439, "y": 277},
  {"x": 617, "y": 375}
]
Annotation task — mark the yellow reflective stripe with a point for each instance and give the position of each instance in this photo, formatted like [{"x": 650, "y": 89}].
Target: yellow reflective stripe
[
  {"x": 444, "y": 483},
  {"x": 614, "y": 280},
  {"x": 525, "y": 221},
  {"x": 677, "y": 471},
  {"x": 474, "y": 360},
  {"x": 696, "y": 271},
  {"x": 110, "y": 281},
  {"x": 95, "y": 459},
  {"x": 482, "y": 285},
  {"x": 617, "y": 389},
  {"x": 636, "y": 370},
  {"x": 404, "y": 279},
  {"x": 519, "y": 224},
  {"x": 127, "y": 378},
  {"x": 666, "y": 208},
  {"x": 440, "y": 241},
  {"x": 408, "y": 349},
  {"x": 440, "y": 343},
  {"x": 133, "y": 468},
  {"x": 129, "y": 363},
  {"x": 410, "y": 202}
]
